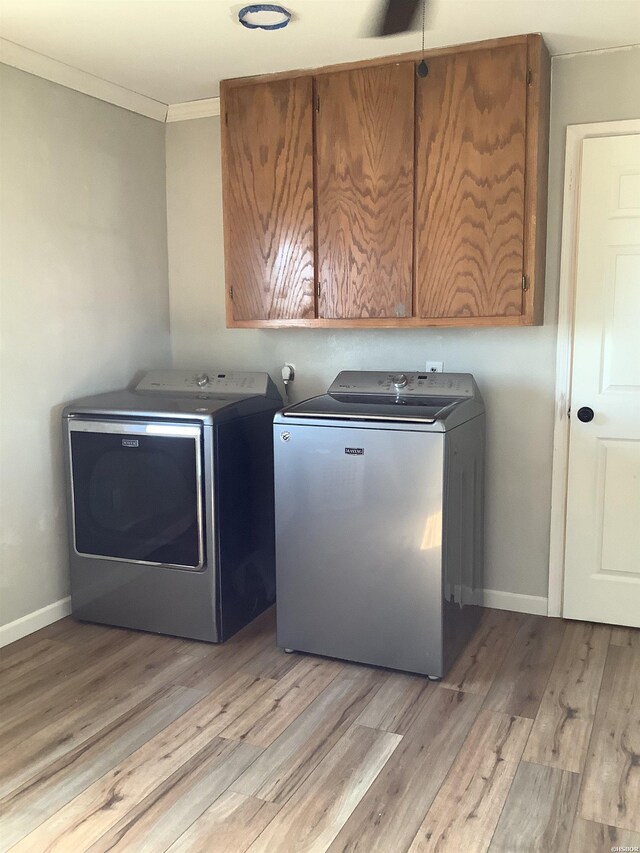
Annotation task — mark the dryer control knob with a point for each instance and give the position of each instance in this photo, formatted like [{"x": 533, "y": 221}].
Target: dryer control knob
[
  {"x": 399, "y": 380},
  {"x": 202, "y": 380}
]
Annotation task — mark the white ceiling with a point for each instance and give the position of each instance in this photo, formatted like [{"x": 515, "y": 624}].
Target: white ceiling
[{"x": 179, "y": 50}]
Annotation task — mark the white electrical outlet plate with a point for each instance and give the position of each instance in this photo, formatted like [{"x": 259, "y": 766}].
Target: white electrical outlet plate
[{"x": 434, "y": 366}]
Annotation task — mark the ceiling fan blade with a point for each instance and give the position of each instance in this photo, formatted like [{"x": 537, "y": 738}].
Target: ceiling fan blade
[{"x": 397, "y": 16}]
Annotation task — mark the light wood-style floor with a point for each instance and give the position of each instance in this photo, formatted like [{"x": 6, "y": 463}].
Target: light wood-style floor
[{"x": 116, "y": 740}]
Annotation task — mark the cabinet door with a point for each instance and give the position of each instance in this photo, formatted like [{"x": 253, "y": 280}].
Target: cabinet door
[
  {"x": 364, "y": 179},
  {"x": 470, "y": 163},
  {"x": 268, "y": 200}
]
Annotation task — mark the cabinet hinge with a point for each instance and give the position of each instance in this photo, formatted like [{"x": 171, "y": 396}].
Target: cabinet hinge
[
  {"x": 318, "y": 290},
  {"x": 529, "y": 77},
  {"x": 226, "y": 118},
  {"x": 317, "y": 103},
  {"x": 231, "y": 294},
  {"x": 525, "y": 283}
]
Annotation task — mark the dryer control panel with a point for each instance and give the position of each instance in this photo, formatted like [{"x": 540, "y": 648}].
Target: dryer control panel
[
  {"x": 403, "y": 384},
  {"x": 195, "y": 382}
]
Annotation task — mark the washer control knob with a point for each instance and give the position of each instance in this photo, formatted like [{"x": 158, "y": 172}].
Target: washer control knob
[
  {"x": 399, "y": 380},
  {"x": 202, "y": 380}
]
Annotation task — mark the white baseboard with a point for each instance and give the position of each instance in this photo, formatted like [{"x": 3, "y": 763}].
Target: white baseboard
[
  {"x": 34, "y": 621},
  {"x": 516, "y": 601}
]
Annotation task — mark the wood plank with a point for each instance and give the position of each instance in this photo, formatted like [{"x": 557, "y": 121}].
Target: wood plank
[
  {"x": 50, "y": 674},
  {"x": 171, "y": 808},
  {"x": 127, "y": 665},
  {"x": 539, "y": 812},
  {"x": 209, "y": 672},
  {"x": 23, "y": 661},
  {"x": 40, "y": 798},
  {"x": 48, "y": 632},
  {"x": 264, "y": 721},
  {"x": 104, "y": 803},
  {"x": 397, "y": 704},
  {"x": 465, "y": 812},
  {"x": 90, "y": 717},
  {"x": 73, "y": 632},
  {"x": 629, "y": 637},
  {"x": 267, "y": 154},
  {"x": 271, "y": 662},
  {"x": 67, "y": 631},
  {"x": 562, "y": 726},
  {"x": 521, "y": 680},
  {"x": 470, "y": 165},
  {"x": 482, "y": 658},
  {"x": 364, "y": 192},
  {"x": 391, "y": 812},
  {"x": 590, "y": 837},
  {"x": 232, "y": 823},
  {"x": 284, "y": 765},
  {"x": 312, "y": 818},
  {"x": 611, "y": 785}
]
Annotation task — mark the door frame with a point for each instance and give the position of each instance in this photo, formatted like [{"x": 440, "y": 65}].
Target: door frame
[{"x": 576, "y": 134}]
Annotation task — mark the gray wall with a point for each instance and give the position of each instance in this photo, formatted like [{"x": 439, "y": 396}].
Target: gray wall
[
  {"x": 84, "y": 305},
  {"x": 514, "y": 367},
  {"x": 84, "y": 299}
]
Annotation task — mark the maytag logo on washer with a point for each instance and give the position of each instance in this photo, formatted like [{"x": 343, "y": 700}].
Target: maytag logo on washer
[
  {"x": 130, "y": 442},
  {"x": 354, "y": 451},
  {"x": 285, "y": 436}
]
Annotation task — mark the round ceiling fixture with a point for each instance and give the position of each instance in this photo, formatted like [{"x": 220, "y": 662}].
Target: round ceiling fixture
[{"x": 264, "y": 16}]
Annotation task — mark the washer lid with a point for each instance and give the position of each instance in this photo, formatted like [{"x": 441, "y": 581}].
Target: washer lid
[
  {"x": 375, "y": 408},
  {"x": 448, "y": 398}
]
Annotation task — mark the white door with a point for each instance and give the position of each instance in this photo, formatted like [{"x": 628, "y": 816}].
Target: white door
[{"x": 602, "y": 560}]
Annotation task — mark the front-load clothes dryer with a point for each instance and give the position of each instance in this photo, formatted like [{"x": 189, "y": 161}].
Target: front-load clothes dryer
[
  {"x": 170, "y": 499},
  {"x": 379, "y": 519}
]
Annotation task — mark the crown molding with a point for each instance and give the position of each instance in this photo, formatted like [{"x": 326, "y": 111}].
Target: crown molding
[
  {"x": 194, "y": 109},
  {"x": 72, "y": 78}
]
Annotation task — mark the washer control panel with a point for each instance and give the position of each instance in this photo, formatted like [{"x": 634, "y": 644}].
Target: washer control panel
[
  {"x": 404, "y": 384},
  {"x": 199, "y": 382}
]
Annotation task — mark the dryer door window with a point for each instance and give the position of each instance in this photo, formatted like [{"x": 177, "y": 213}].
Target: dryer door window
[{"x": 137, "y": 496}]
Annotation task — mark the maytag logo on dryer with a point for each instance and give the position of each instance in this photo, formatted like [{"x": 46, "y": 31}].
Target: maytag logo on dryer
[
  {"x": 354, "y": 451},
  {"x": 130, "y": 442}
]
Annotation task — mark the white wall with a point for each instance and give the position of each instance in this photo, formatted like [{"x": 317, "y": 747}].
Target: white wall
[{"x": 84, "y": 302}]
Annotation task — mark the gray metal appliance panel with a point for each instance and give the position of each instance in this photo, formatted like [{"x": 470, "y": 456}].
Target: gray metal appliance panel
[
  {"x": 149, "y": 598},
  {"x": 359, "y": 544},
  {"x": 410, "y": 383},
  {"x": 206, "y": 408}
]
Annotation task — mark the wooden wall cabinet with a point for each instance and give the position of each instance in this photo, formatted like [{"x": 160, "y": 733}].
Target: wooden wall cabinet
[{"x": 365, "y": 195}]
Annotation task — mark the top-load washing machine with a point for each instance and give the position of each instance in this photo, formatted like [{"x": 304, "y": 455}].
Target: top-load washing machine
[
  {"x": 170, "y": 498},
  {"x": 379, "y": 519}
]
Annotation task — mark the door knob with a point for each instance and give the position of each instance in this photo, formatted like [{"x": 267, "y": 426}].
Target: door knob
[{"x": 585, "y": 414}]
